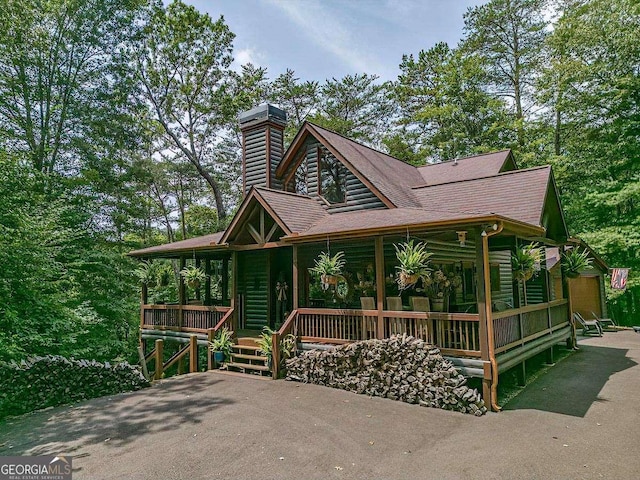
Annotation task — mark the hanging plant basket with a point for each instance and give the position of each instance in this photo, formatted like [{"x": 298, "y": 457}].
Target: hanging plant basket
[
  {"x": 523, "y": 275},
  {"x": 329, "y": 280},
  {"x": 408, "y": 279}
]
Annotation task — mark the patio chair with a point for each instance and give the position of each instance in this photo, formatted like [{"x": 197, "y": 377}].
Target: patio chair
[
  {"x": 588, "y": 326},
  {"x": 422, "y": 328},
  {"x": 396, "y": 325},
  {"x": 368, "y": 322},
  {"x": 604, "y": 322}
]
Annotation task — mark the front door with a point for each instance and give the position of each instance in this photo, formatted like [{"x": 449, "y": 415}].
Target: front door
[{"x": 264, "y": 287}]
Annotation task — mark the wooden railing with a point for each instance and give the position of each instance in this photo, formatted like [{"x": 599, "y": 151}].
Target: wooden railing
[
  {"x": 454, "y": 333},
  {"x": 339, "y": 326},
  {"x": 157, "y": 356},
  {"x": 517, "y": 326},
  {"x": 187, "y": 318},
  {"x": 290, "y": 326}
]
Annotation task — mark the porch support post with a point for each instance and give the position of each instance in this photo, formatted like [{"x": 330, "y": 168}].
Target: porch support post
[
  {"x": 234, "y": 290},
  {"x": 182, "y": 291},
  {"x": 482, "y": 315},
  {"x": 207, "y": 282},
  {"x": 197, "y": 290},
  {"x": 225, "y": 280},
  {"x": 295, "y": 280},
  {"x": 159, "y": 360},
  {"x": 380, "y": 286},
  {"x": 193, "y": 353}
]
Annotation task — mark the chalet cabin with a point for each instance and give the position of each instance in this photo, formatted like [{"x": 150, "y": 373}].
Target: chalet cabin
[{"x": 327, "y": 193}]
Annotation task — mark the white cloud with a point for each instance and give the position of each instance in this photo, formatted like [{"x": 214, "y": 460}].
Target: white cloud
[
  {"x": 326, "y": 30},
  {"x": 247, "y": 55}
]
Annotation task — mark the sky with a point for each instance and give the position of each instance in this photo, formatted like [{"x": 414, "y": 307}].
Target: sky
[{"x": 321, "y": 39}]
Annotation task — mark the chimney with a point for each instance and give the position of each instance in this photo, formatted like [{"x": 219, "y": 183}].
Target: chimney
[{"x": 262, "y": 146}]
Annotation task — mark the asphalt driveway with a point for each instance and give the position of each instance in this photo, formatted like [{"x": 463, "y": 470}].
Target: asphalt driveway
[{"x": 579, "y": 420}]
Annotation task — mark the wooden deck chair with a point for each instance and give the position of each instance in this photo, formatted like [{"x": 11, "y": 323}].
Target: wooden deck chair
[
  {"x": 604, "y": 322},
  {"x": 397, "y": 326},
  {"x": 422, "y": 327},
  {"x": 368, "y": 322},
  {"x": 588, "y": 326}
]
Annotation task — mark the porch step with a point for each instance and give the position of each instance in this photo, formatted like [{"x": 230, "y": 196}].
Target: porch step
[
  {"x": 244, "y": 356},
  {"x": 252, "y": 348},
  {"x": 247, "y": 366}
]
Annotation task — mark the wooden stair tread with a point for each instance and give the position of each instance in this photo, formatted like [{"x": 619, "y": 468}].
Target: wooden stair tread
[
  {"x": 249, "y": 357},
  {"x": 248, "y": 366},
  {"x": 245, "y": 347}
]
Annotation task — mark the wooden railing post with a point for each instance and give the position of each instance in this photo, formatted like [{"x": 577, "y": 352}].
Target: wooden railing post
[
  {"x": 380, "y": 285},
  {"x": 210, "y": 334},
  {"x": 193, "y": 353},
  {"x": 275, "y": 355},
  {"x": 159, "y": 359}
]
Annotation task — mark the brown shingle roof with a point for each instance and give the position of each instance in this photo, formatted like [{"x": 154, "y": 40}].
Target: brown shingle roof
[
  {"x": 297, "y": 212},
  {"x": 391, "y": 177},
  {"x": 518, "y": 194},
  {"x": 381, "y": 219},
  {"x": 196, "y": 243},
  {"x": 464, "y": 168}
]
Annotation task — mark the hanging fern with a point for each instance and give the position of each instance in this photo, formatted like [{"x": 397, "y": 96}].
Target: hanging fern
[{"x": 574, "y": 261}]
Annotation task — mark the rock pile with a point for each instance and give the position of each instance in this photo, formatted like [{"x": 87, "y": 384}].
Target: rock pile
[{"x": 400, "y": 368}]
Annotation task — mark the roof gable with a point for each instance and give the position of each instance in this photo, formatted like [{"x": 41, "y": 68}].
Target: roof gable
[
  {"x": 468, "y": 168},
  {"x": 387, "y": 177},
  {"x": 521, "y": 195},
  {"x": 289, "y": 211}
]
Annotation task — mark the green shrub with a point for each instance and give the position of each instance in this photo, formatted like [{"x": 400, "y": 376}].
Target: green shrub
[{"x": 49, "y": 381}]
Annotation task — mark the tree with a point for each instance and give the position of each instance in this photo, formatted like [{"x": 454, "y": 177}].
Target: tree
[
  {"x": 444, "y": 111},
  {"x": 182, "y": 68},
  {"x": 509, "y": 35},
  {"x": 355, "y": 106},
  {"x": 299, "y": 99},
  {"x": 61, "y": 95},
  {"x": 595, "y": 82}
]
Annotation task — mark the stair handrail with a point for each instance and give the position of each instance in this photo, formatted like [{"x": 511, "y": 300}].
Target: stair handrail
[
  {"x": 223, "y": 320},
  {"x": 284, "y": 330}
]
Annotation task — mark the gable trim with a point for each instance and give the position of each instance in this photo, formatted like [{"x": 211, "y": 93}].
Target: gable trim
[
  {"x": 298, "y": 141},
  {"x": 551, "y": 184},
  {"x": 244, "y": 208}
]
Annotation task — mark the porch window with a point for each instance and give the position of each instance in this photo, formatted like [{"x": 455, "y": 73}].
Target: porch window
[{"x": 332, "y": 178}]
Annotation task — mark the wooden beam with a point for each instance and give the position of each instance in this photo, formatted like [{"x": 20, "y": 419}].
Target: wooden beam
[
  {"x": 380, "y": 285},
  {"x": 159, "y": 359},
  {"x": 482, "y": 314},
  {"x": 295, "y": 280},
  {"x": 254, "y": 233},
  {"x": 207, "y": 282},
  {"x": 193, "y": 353},
  {"x": 271, "y": 232},
  {"x": 210, "y": 335}
]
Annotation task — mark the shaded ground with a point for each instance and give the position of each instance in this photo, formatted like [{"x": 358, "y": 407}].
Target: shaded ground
[{"x": 579, "y": 420}]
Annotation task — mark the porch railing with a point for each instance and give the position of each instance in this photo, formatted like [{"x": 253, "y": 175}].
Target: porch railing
[
  {"x": 454, "y": 333},
  {"x": 518, "y": 326},
  {"x": 187, "y": 318}
]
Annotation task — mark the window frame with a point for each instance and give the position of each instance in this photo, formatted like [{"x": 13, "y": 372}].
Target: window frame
[{"x": 319, "y": 156}]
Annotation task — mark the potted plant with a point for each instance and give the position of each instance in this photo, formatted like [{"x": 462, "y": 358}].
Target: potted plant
[
  {"x": 328, "y": 268},
  {"x": 414, "y": 262},
  {"x": 193, "y": 276},
  {"x": 439, "y": 286},
  {"x": 574, "y": 261},
  {"x": 265, "y": 342},
  {"x": 524, "y": 260},
  {"x": 147, "y": 274},
  {"x": 221, "y": 345}
]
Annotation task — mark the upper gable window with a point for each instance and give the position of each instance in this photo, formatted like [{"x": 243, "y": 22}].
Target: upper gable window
[{"x": 332, "y": 178}]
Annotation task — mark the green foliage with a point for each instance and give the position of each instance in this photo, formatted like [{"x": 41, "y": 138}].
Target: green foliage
[
  {"x": 325, "y": 264},
  {"x": 574, "y": 262},
  {"x": 223, "y": 342},
  {"x": 193, "y": 276},
  {"x": 414, "y": 260},
  {"x": 287, "y": 348},
  {"x": 50, "y": 381},
  {"x": 524, "y": 260}
]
